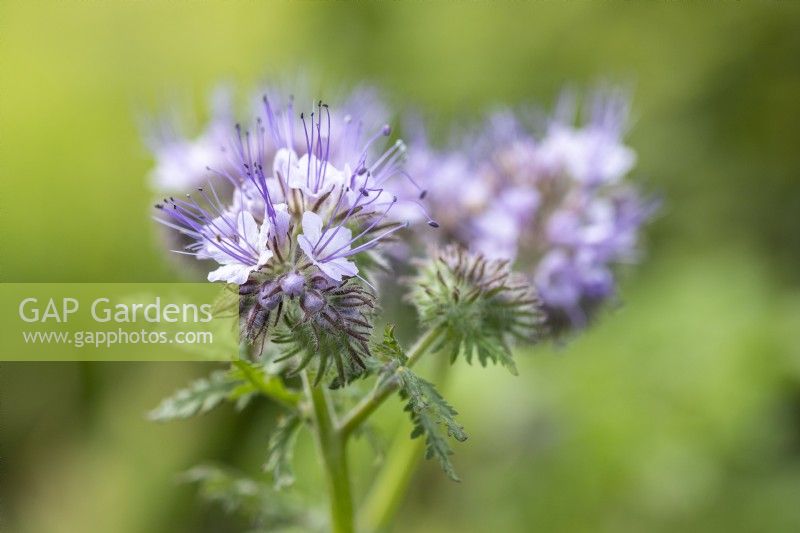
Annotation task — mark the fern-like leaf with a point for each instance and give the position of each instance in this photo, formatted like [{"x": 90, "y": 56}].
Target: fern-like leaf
[
  {"x": 199, "y": 397},
  {"x": 432, "y": 416},
  {"x": 280, "y": 451}
]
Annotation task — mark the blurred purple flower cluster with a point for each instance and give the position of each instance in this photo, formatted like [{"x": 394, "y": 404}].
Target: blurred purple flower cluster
[{"x": 556, "y": 202}]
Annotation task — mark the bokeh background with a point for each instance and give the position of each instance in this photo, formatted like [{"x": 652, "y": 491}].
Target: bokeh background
[{"x": 680, "y": 410}]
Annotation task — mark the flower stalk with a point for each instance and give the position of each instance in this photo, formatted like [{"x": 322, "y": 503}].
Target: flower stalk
[
  {"x": 389, "y": 488},
  {"x": 332, "y": 438},
  {"x": 333, "y": 456}
]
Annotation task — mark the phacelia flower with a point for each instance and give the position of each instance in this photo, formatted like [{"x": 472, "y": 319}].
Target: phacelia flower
[
  {"x": 308, "y": 198},
  {"x": 557, "y": 203}
]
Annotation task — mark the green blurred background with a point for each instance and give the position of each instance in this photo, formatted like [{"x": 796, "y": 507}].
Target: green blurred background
[{"x": 680, "y": 410}]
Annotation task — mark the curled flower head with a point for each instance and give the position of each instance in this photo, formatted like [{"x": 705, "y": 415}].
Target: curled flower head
[
  {"x": 333, "y": 325},
  {"x": 481, "y": 306},
  {"x": 557, "y": 203},
  {"x": 308, "y": 200}
]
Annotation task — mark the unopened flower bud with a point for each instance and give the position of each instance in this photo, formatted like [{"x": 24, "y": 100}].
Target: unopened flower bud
[
  {"x": 293, "y": 284},
  {"x": 269, "y": 296},
  {"x": 312, "y": 302}
]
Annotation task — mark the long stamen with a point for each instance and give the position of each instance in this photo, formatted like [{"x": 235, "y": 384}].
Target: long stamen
[
  {"x": 197, "y": 220},
  {"x": 342, "y": 223},
  {"x": 422, "y": 192},
  {"x": 309, "y": 145},
  {"x": 398, "y": 147},
  {"x": 218, "y": 210},
  {"x": 226, "y": 175},
  {"x": 431, "y": 222},
  {"x": 318, "y": 156},
  {"x": 273, "y": 123},
  {"x": 385, "y": 131},
  {"x": 371, "y": 243},
  {"x": 253, "y": 168},
  {"x": 327, "y": 139},
  {"x": 233, "y": 232},
  {"x": 335, "y": 209},
  {"x": 223, "y": 244},
  {"x": 369, "y": 228}
]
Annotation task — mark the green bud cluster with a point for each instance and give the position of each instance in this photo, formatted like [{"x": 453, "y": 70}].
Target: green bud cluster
[{"x": 481, "y": 306}]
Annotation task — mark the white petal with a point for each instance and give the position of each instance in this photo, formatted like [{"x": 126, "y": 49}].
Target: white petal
[
  {"x": 312, "y": 226},
  {"x": 232, "y": 273},
  {"x": 282, "y": 222},
  {"x": 306, "y": 245},
  {"x": 340, "y": 238},
  {"x": 263, "y": 235},
  {"x": 248, "y": 228},
  {"x": 337, "y": 268},
  {"x": 264, "y": 258},
  {"x": 211, "y": 251},
  {"x": 298, "y": 178},
  {"x": 285, "y": 163}
]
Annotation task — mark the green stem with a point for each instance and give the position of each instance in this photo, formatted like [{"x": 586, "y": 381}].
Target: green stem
[
  {"x": 331, "y": 447},
  {"x": 384, "y": 389},
  {"x": 391, "y": 484},
  {"x": 388, "y": 489},
  {"x": 332, "y": 437}
]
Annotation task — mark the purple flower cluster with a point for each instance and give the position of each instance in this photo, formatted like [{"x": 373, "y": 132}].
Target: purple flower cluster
[
  {"x": 557, "y": 202},
  {"x": 308, "y": 190},
  {"x": 298, "y": 192}
]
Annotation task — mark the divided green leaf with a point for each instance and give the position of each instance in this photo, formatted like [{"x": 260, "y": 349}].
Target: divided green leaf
[
  {"x": 199, "y": 397},
  {"x": 280, "y": 451},
  {"x": 238, "y": 385},
  {"x": 429, "y": 413},
  {"x": 432, "y": 416}
]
